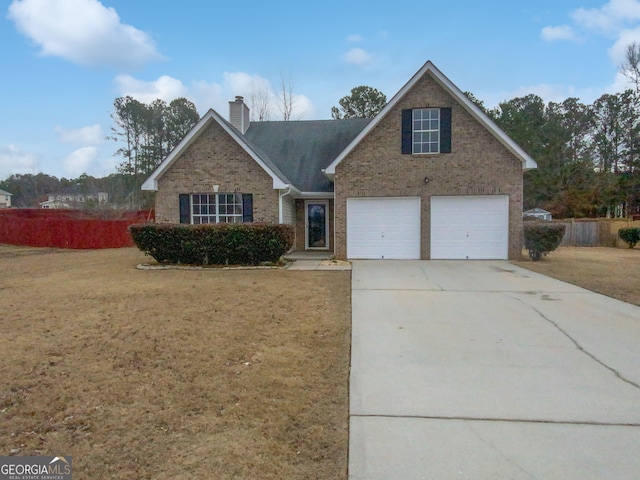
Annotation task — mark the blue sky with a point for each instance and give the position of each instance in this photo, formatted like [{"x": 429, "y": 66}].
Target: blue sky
[{"x": 65, "y": 61}]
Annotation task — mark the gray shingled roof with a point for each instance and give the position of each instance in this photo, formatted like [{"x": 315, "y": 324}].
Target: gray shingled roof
[
  {"x": 2, "y": 192},
  {"x": 301, "y": 149},
  {"x": 263, "y": 156}
]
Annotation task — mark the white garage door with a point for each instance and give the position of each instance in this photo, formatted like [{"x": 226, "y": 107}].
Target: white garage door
[
  {"x": 383, "y": 228},
  {"x": 473, "y": 227}
]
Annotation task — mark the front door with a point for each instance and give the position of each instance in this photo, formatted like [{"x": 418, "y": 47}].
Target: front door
[{"x": 317, "y": 221}]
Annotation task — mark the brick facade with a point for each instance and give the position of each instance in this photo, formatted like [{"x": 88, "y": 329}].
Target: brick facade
[
  {"x": 215, "y": 158},
  {"x": 478, "y": 165}
]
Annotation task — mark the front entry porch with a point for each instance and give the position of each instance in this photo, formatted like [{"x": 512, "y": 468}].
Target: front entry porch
[{"x": 314, "y": 226}]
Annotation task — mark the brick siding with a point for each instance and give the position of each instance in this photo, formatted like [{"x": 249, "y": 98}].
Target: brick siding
[
  {"x": 215, "y": 158},
  {"x": 478, "y": 165}
]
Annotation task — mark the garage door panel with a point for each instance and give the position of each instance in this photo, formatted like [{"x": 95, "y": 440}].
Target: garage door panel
[
  {"x": 382, "y": 227},
  {"x": 470, "y": 227}
]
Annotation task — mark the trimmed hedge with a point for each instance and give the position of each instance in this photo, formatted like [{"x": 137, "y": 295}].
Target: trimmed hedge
[
  {"x": 214, "y": 244},
  {"x": 542, "y": 238},
  {"x": 631, "y": 236}
]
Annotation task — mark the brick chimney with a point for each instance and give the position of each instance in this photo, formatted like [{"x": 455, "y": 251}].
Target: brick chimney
[{"x": 239, "y": 114}]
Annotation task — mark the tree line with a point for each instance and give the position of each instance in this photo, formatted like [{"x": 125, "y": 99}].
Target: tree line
[
  {"x": 29, "y": 189},
  {"x": 588, "y": 155}
]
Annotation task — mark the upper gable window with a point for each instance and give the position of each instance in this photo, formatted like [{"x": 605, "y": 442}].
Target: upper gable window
[{"x": 426, "y": 130}]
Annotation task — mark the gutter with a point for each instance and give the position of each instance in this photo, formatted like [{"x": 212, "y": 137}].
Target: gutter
[{"x": 280, "y": 197}]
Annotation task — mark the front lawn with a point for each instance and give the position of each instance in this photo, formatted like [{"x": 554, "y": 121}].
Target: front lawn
[
  {"x": 611, "y": 271},
  {"x": 173, "y": 374}
]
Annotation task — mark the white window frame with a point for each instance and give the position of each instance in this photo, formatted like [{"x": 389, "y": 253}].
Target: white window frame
[
  {"x": 425, "y": 130},
  {"x": 214, "y": 204}
]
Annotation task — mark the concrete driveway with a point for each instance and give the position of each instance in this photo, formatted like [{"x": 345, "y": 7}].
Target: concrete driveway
[{"x": 483, "y": 370}]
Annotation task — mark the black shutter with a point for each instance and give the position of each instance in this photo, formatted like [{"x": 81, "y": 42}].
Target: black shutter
[
  {"x": 247, "y": 207},
  {"x": 185, "y": 208},
  {"x": 407, "y": 131},
  {"x": 445, "y": 130}
]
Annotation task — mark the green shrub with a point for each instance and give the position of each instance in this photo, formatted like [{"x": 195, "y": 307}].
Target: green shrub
[
  {"x": 631, "y": 236},
  {"x": 215, "y": 244},
  {"x": 542, "y": 238}
]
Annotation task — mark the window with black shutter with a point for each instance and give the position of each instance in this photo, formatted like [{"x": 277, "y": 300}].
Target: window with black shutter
[
  {"x": 203, "y": 208},
  {"x": 426, "y": 130}
]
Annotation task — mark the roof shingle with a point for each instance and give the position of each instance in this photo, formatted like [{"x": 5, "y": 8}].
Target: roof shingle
[{"x": 301, "y": 149}]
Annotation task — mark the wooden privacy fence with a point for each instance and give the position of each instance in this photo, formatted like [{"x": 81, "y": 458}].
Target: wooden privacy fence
[
  {"x": 601, "y": 232},
  {"x": 67, "y": 228}
]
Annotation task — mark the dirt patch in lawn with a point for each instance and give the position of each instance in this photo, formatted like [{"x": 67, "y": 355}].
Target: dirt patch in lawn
[
  {"x": 173, "y": 374},
  {"x": 611, "y": 271}
]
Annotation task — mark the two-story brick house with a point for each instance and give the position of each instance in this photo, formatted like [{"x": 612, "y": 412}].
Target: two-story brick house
[{"x": 431, "y": 176}]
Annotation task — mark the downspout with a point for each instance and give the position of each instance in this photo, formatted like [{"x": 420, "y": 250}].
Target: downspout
[{"x": 280, "y": 197}]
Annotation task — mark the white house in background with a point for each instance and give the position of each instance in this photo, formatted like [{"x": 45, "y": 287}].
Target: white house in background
[
  {"x": 538, "y": 213},
  {"x": 75, "y": 196},
  {"x": 5, "y": 199}
]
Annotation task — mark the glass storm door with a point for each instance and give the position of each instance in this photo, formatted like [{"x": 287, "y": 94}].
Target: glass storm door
[{"x": 317, "y": 224}]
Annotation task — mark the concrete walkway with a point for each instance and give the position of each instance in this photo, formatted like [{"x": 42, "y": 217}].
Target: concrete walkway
[
  {"x": 483, "y": 370},
  {"x": 317, "y": 265},
  {"x": 315, "y": 261}
]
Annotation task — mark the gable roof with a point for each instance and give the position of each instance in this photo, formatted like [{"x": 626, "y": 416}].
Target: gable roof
[
  {"x": 430, "y": 69},
  {"x": 536, "y": 210},
  {"x": 3, "y": 192},
  {"x": 279, "y": 179},
  {"x": 302, "y": 149}
]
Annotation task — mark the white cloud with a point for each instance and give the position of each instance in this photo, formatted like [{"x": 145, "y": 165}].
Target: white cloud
[
  {"x": 625, "y": 38},
  {"x": 358, "y": 56},
  {"x": 618, "y": 19},
  {"x": 79, "y": 161},
  {"x": 619, "y": 84},
  {"x": 89, "y": 135},
  {"x": 354, "y": 38},
  {"x": 166, "y": 88},
  {"x": 13, "y": 160},
  {"x": 82, "y": 31},
  {"x": 240, "y": 83},
  {"x": 611, "y": 17},
  {"x": 206, "y": 95},
  {"x": 302, "y": 108},
  {"x": 564, "y": 32}
]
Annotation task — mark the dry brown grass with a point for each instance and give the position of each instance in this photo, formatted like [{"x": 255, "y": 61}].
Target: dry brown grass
[
  {"x": 611, "y": 271},
  {"x": 173, "y": 374}
]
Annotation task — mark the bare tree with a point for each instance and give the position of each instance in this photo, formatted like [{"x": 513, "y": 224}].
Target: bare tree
[
  {"x": 260, "y": 100},
  {"x": 287, "y": 99},
  {"x": 631, "y": 66}
]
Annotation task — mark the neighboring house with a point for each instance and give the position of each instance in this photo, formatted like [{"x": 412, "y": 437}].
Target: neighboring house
[
  {"x": 431, "y": 176},
  {"x": 75, "y": 196},
  {"x": 5, "y": 199},
  {"x": 537, "y": 213}
]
